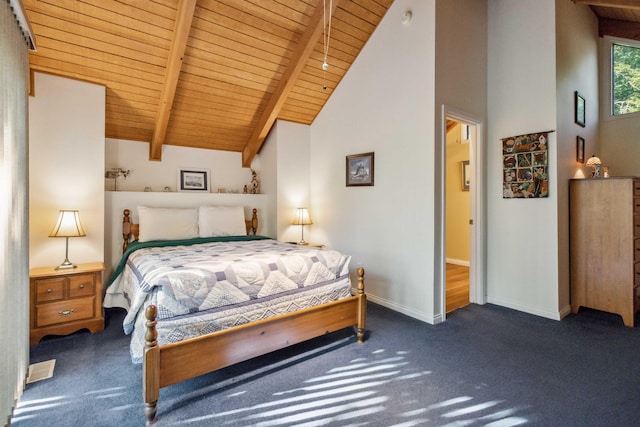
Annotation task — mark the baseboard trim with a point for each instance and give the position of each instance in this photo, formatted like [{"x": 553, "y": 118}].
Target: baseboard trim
[
  {"x": 525, "y": 309},
  {"x": 432, "y": 320}
]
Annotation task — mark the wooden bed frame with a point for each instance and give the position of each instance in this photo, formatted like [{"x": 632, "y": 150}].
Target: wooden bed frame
[{"x": 175, "y": 362}]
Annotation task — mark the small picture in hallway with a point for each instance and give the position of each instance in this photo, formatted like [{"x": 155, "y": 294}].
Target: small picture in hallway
[
  {"x": 466, "y": 175},
  {"x": 359, "y": 170}
]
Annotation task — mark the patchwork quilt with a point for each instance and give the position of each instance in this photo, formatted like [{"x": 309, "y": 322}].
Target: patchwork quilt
[{"x": 207, "y": 287}]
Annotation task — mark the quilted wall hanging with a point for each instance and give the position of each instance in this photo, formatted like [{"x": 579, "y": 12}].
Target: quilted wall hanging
[{"x": 524, "y": 166}]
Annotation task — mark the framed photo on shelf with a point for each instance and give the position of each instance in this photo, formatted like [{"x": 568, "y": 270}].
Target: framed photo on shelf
[
  {"x": 466, "y": 175},
  {"x": 360, "y": 170},
  {"x": 580, "y": 106},
  {"x": 579, "y": 149},
  {"x": 193, "y": 179}
]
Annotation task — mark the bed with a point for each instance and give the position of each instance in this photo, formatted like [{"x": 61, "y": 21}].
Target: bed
[{"x": 220, "y": 297}]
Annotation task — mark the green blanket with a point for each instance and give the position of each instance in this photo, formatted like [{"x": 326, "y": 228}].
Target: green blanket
[{"x": 135, "y": 245}]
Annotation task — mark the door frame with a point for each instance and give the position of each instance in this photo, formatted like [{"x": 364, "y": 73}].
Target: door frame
[{"x": 477, "y": 255}]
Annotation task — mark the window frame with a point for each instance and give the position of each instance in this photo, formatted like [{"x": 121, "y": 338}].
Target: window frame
[{"x": 607, "y": 81}]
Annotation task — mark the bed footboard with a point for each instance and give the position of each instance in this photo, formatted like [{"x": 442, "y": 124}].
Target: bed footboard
[{"x": 172, "y": 363}]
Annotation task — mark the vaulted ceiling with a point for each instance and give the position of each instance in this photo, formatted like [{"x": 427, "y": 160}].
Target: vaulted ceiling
[
  {"x": 207, "y": 74},
  {"x": 217, "y": 74}
]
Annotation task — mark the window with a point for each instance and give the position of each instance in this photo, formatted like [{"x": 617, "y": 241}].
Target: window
[{"x": 625, "y": 77}]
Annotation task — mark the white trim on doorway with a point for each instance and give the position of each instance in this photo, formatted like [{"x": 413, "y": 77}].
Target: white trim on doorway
[{"x": 477, "y": 275}]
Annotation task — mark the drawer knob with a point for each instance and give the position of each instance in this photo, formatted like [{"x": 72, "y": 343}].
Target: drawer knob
[
  {"x": 49, "y": 291},
  {"x": 81, "y": 286},
  {"x": 66, "y": 312}
]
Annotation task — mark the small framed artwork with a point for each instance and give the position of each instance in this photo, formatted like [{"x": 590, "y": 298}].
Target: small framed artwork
[
  {"x": 466, "y": 175},
  {"x": 360, "y": 170},
  {"x": 579, "y": 149},
  {"x": 193, "y": 179},
  {"x": 580, "y": 109}
]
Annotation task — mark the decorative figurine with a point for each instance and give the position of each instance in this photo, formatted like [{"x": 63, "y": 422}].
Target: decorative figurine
[
  {"x": 245, "y": 190},
  {"x": 255, "y": 184}
]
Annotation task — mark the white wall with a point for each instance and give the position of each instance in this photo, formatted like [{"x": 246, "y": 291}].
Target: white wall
[
  {"x": 285, "y": 160},
  {"x": 384, "y": 104},
  {"x": 225, "y": 167},
  {"x": 66, "y": 167},
  {"x": 461, "y": 86},
  {"x": 576, "y": 69},
  {"x": 522, "y": 251}
]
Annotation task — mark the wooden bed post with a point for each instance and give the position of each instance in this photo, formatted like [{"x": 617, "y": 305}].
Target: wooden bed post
[
  {"x": 151, "y": 367},
  {"x": 126, "y": 229},
  {"x": 362, "y": 306}
]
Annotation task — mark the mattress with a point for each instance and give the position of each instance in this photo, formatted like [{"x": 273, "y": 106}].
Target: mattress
[{"x": 201, "y": 288}]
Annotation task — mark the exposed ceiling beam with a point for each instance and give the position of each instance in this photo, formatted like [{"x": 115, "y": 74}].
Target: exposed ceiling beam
[
  {"x": 297, "y": 63},
  {"x": 621, "y": 29},
  {"x": 626, "y": 4},
  {"x": 184, "y": 17}
]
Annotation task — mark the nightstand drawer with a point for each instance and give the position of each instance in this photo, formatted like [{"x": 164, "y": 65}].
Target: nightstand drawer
[
  {"x": 64, "y": 311},
  {"x": 50, "y": 289},
  {"x": 81, "y": 285}
]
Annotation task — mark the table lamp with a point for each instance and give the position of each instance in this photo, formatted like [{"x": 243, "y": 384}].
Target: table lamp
[
  {"x": 68, "y": 225},
  {"x": 302, "y": 218},
  {"x": 595, "y": 163}
]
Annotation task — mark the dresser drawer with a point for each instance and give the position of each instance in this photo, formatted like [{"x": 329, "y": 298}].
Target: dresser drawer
[
  {"x": 50, "y": 289},
  {"x": 64, "y": 311},
  {"x": 636, "y": 274},
  {"x": 636, "y": 188},
  {"x": 81, "y": 285},
  {"x": 636, "y": 225}
]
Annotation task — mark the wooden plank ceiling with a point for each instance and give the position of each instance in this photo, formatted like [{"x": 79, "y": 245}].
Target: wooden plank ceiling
[{"x": 206, "y": 74}]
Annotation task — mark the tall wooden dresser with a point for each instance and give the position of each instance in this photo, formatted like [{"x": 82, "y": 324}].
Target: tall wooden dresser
[{"x": 605, "y": 245}]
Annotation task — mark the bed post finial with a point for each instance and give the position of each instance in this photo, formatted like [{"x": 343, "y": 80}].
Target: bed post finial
[
  {"x": 254, "y": 221},
  {"x": 362, "y": 306},
  {"x": 126, "y": 229}
]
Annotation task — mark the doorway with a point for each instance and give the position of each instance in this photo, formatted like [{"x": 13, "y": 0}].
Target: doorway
[
  {"x": 459, "y": 138},
  {"x": 462, "y": 281}
]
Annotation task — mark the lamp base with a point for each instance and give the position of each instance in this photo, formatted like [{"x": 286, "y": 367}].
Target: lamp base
[
  {"x": 302, "y": 243},
  {"x": 66, "y": 266}
]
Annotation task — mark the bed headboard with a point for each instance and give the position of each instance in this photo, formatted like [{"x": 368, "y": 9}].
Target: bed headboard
[{"x": 130, "y": 229}]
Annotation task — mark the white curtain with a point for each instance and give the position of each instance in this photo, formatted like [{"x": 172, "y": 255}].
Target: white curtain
[{"x": 14, "y": 268}]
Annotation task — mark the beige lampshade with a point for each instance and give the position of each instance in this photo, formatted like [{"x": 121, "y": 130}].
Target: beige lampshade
[
  {"x": 68, "y": 225},
  {"x": 302, "y": 217},
  {"x": 593, "y": 160}
]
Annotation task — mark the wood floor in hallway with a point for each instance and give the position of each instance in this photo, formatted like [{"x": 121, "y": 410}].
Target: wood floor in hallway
[{"x": 457, "y": 286}]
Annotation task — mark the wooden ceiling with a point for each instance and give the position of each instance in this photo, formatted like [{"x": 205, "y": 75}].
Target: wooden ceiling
[
  {"x": 207, "y": 74},
  {"x": 217, "y": 74}
]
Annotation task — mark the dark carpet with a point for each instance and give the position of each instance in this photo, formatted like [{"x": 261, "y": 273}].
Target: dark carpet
[{"x": 484, "y": 366}]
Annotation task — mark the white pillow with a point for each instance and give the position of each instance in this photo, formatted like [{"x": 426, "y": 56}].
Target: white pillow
[
  {"x": 221, "y": 221},
  {"x": 167, "y": 223}
]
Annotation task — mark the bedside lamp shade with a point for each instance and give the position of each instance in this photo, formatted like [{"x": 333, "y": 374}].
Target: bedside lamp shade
[
  {"x": 595, "y": 163},
  {"x": 68, "y": 225},
  {"x": 302, "y": 218}
]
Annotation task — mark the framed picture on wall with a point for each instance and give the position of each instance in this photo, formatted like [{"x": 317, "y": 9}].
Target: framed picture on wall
[
  {"x": 580, "y": 106},
  {"x": 466, "y": 175},
  {"x": 360, "y": 170},
  {"x": 579, "y": 149},
  {"x": 193, "y": 179}
]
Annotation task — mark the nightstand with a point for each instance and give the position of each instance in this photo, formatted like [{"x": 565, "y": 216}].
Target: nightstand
[{"x": 65, "y": 301}]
